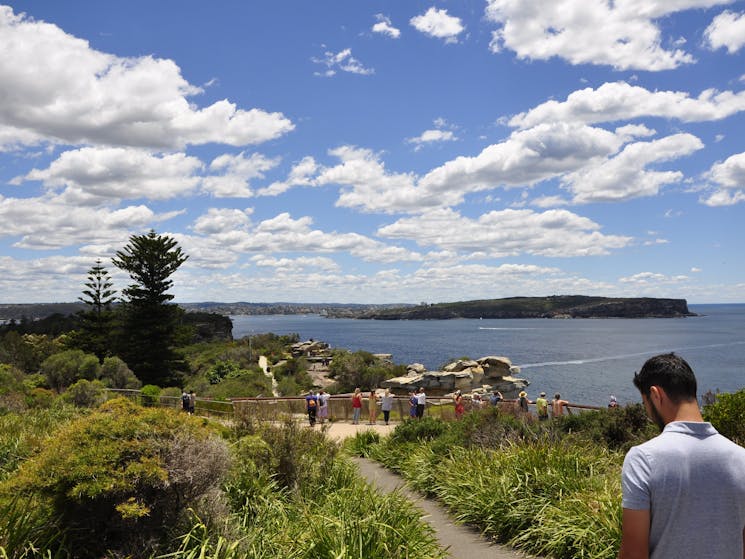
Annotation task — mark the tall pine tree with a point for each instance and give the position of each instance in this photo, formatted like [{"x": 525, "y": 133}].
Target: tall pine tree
[
  {"x": 96, "y": 322},
  {"x": 150, "y": 323}
]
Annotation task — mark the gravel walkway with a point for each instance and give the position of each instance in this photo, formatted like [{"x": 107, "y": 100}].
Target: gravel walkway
[{"x": 461, "y": 541}]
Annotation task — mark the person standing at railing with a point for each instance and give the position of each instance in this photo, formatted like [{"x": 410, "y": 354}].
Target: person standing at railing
[
  {"x": 460, "y": 408},
  {"x": 356, "y": 406},
  {"x": 541, "y": 407},
  {"x": 558, "y": 405},
  {"x": 421, "y": 402},
  {"x": 412, "y": 405},
  {"x": 522, "y": 403},
  {"x": 192, "y": 402},
  {"x": 386, "y": 403},
  {"x": 372, "y": 407}
]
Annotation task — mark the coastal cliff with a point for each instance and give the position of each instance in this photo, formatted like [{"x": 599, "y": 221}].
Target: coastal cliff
[{"x": 556, "y": 306}]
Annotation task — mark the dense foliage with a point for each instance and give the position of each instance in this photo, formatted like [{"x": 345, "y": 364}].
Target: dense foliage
[
  {"x": 114, "y": 479},
  {"x": 727, "y": 414},
  {"x": 145, "y": 482},
  {"x": 547, "y": 488},
  {"x": 360, "y": 369}
]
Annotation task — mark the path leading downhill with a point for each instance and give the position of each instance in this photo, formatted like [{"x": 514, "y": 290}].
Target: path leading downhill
[{"x": 461, "y": 541}]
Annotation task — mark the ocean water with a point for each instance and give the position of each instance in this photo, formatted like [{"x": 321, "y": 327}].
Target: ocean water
[{"x": 586, "y": 360}]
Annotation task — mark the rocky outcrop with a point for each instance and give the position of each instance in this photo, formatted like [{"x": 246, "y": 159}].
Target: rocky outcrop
[
  {"x": 480, "y": 375},
  {"x": 310, "y": 348}
]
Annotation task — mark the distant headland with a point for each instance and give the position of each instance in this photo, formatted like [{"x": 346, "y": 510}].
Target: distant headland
[{"x": 555, "y": 306}]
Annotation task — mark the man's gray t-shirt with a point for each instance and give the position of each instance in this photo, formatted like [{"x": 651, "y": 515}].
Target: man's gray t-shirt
[{"x": 692, "y": 479}]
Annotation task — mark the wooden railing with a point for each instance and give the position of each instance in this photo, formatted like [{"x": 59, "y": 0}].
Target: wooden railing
[{"x": 340, "y": 407}]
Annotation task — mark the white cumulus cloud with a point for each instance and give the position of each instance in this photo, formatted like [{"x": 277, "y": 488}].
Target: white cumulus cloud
[
  {"x": 100, "y": 174},
  {"x": 626, "y": 176},
  {"x": 728, "y": 181},
  {"x": 614, "y": 101},
  {"x": 237, "y": 172},
  {"x": 623, "y": 34},
  {"x": 726, "y": 30},
  {"x": 55, "y": 87},
  {"x": 496, "y": 234},
  {"x": 439, "y": 24},
  {"x": 384, "y": 26}
]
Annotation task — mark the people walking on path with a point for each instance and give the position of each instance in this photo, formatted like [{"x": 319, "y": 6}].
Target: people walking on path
[
  {"x": 311, "y": 407},
  {"x": 192, "y": 402},
  {"x": 323, "y": 405},
  {"x": 541, "y": 407},
  {"x": 386, "y": 404},
  {"x": 356, "y": 406},
  {"x": 185, "y": 401},
  {"x": 372, "y": 407},
  {"x": 684, "y": 490}
]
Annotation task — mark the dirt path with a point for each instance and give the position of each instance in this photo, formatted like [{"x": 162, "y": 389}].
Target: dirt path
[{"x": 461, "y": 541}]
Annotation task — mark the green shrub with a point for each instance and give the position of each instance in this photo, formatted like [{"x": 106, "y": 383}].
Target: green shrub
[
  {"x": 116, "y": 374},
  {"x": 64, "y": 368},
  {"x": 221, "y": 370},
  {"x": 727, "y": 415},
  {"x": 40, "y": 398},
  {"x": 243, "y": 386},
  {"x": 360, "y": 369},
  {"x": 618, "y": 428},
  {"x": 85, "y": 394},
  {"x": 120, "y": 479},
  {"x": 361, "y": 443},
  {"x": 150, "y": 395},
  {"x": 424, "y": 429}
]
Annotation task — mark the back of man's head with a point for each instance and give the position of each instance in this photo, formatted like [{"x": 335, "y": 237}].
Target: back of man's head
[{"x": 669, "y": 372}]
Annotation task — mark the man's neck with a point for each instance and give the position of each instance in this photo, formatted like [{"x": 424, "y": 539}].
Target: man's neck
[{"x": 687, "y": 411}]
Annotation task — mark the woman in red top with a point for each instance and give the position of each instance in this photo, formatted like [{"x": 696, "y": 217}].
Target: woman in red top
[
  {"x": 459, "y": 407},
  {"x": 356, "y": 406}
]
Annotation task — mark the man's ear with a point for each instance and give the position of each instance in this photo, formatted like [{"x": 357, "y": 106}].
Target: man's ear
[{"x": 656, "y": 394}]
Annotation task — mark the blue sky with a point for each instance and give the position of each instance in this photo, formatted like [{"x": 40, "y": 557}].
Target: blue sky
[{"x": 371, "y": 152}]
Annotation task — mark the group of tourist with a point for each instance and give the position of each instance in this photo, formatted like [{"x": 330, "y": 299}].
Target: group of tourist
[
  {"x": 477, "y": 401},
  {"x": 317, "y": 404},
  {"x": 188, "y": 401},
  {"x": 373, "y": 401}
]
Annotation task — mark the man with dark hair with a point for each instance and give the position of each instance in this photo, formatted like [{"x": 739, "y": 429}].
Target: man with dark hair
[{"x": 684, "y": 490}]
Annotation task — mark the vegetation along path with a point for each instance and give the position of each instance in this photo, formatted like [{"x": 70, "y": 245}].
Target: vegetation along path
[{"x": 461, "y": 541}]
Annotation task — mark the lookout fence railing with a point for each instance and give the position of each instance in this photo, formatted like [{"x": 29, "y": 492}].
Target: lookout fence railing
[{"x": 271, "y": 408}]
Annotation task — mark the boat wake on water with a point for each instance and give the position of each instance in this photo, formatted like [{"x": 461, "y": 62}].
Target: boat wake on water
[
  {"x": 623, "y": 356},
  {"x": 494, "y": 328}
]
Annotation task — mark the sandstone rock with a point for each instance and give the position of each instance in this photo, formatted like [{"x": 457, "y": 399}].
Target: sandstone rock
[
  {"x": 415, "y": 368},
  {"x": 495, "y": 367},
  {"x": 460, "y": 365},
  {"x": 309, "y": 348}
]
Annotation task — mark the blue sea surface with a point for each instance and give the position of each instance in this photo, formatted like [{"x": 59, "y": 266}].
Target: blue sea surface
[{"x": 586, "y": 360}]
